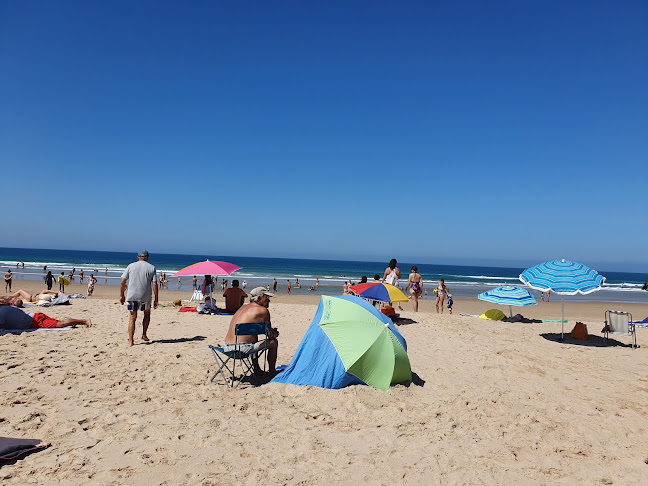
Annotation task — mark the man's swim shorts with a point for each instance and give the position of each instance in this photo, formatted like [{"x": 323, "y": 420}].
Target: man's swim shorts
[
  {"x": 135, "y": 306},
  {"x": 41, "y": 320}
]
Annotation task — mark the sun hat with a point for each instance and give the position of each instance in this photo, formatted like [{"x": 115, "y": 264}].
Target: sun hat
[{"x": 258, "y": 292}]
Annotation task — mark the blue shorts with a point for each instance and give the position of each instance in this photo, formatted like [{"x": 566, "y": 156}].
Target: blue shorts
[{"x": 135, "y": 306}]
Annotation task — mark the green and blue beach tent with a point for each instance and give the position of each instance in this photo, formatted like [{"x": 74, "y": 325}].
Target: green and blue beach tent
[{"x": 349, "y": 342}]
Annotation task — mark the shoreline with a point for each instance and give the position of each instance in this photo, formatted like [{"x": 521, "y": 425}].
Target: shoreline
[
  {"x": 464, "y": 281},
  {"x": 588, "y": 312},
  {"x": 611, "y": 297}
]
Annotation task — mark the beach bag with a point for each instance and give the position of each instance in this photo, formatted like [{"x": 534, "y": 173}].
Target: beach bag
[
  {"x": 388, "y": 311},
  {"x": 579, "y": 331}
]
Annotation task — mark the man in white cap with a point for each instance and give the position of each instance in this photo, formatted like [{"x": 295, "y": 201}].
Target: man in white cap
[
  {"x": 140, "y": 276},
  {"x": 255, "y": 311}
]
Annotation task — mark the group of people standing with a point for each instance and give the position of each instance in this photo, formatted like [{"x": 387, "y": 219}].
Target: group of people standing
[{"x": 392, "y": 276}]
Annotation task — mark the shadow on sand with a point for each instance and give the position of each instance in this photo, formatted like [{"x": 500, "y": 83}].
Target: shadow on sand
[
  {"x": 593, "y": 341},
  {"x": 175, "y": 341}
]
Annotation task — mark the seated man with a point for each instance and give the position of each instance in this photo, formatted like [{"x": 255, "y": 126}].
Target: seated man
[
  {"x": 255, "y": 311},
  {"x": 14, "y": 318},
  {"x": 234, "y": 298}
]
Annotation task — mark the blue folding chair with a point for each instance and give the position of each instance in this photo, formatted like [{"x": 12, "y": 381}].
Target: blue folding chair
[{"x": 223, "y": 358}]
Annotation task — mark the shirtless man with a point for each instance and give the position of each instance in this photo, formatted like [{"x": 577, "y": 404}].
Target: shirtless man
[
  {"x": 255, "y": 311},
  {"x": 234, "y": 297}
]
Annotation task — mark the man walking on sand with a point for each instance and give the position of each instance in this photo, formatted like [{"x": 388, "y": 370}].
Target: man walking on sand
[{"x": 140, "y": 276}]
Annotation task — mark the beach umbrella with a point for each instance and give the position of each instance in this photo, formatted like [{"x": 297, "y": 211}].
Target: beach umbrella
[
  {"x": 349, "y": 342},
  {"x": 508, "y": 295},
  {"x": 380, "y": 292},
  {"x": 564, "y": 278},
  {"x": 207, "y": 267}
]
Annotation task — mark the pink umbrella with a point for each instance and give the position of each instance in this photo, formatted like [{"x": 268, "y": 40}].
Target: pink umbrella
[{"x": 208, "y": 268}]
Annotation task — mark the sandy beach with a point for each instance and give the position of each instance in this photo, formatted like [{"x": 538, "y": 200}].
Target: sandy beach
[{"x": 492, "y": 403}]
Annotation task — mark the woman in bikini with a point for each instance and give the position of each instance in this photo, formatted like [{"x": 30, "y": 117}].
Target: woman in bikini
[
  {"x": 442, "y": 291},
  {"x": 34, "y": 298},
  {"x": 415, "y": 285}
]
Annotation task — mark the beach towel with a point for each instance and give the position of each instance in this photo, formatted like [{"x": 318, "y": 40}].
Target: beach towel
[
  {"x": 17, "y": 331},
  {"x": 58, "y": 300},
  {"x": 11, "y": 448},
  {"x": 187, "y": 309},
  {"x": 643, "y": 323}
]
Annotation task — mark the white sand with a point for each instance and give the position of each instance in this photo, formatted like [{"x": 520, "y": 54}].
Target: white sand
[{"x": 494, "y": 403}]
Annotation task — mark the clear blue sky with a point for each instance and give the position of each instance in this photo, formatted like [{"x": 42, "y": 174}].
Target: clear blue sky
[{"x": 443, "y": 132}]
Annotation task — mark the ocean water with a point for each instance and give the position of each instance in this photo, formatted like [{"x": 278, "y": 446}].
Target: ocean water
[{"x": 462, "y": 280}]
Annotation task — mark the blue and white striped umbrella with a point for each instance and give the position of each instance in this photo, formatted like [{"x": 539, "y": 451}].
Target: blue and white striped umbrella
[
  {"x": 508, "y": 295},
  {"x": 563, "y": 277}
]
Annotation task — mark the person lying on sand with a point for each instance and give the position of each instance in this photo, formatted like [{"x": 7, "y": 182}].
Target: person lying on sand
[
  {"x": 14, "y": 301},
  {"x": 255, "y": 311},
  {"x": 14, "y": 318},
  {"x": 35, "y": 298}
]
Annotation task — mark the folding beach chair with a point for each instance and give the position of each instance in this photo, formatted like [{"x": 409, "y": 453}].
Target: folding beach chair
[
  {"x": 620, "y": 323},
  {"x": 197, "y": 296},
  {"x": 225, "y": 358}
]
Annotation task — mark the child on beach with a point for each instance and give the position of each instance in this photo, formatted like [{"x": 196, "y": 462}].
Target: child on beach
[
  {"x": 91, "y": 284},
  {"x": 450, "y": 303}
]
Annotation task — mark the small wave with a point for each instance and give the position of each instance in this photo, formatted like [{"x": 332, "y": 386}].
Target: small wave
[{"x": 484, "y": 277}]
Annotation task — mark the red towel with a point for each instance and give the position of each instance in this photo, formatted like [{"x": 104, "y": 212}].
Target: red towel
[{"x": 188, "y": 309}]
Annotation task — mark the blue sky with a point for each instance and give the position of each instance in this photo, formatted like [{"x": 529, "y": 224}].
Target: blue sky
[{"x": 449, "y": 132}]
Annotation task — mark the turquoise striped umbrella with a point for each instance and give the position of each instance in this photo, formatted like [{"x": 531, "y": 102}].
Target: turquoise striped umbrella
[
  {"x": 563, "y": 277},
  {"x": 508, "y": 295}
]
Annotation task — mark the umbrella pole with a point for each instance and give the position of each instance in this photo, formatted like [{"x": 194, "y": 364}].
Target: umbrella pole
[
  {"x": 562, "y": 321},
  {"x": 511, "y": 310}
]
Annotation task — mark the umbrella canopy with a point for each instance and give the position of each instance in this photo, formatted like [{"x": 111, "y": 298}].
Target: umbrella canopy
[
  {"x": 208, "y": 268},
  {"x": 380, "y": 292},
  {"x": 349, "y": 342},
  {"x": 563, "y": 277},
  {"x": 508, "y": 295}
]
